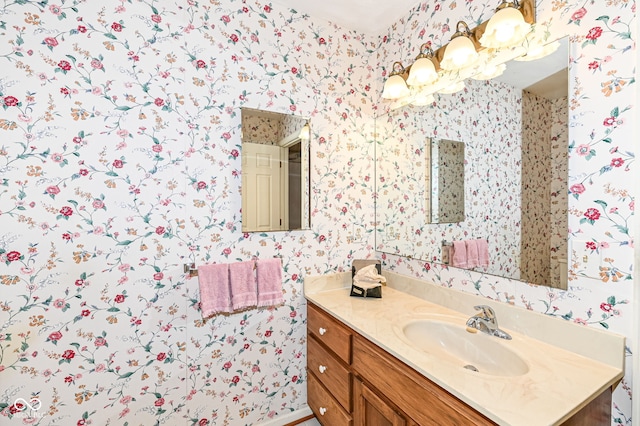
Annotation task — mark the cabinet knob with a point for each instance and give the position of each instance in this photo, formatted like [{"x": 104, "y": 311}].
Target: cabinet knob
[
  {"x": 322, "y": 411},
  {"x": 322, "y": 331},
  {"x": 322, "y": 369}
]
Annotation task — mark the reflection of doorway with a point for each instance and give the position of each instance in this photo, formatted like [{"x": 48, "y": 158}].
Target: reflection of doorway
[
  {"x": 263, "y": 200},
  {"x": 295, "y": 191}
]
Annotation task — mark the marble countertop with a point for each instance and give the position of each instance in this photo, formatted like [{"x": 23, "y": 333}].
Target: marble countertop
[{"x": 558, "y": 383}]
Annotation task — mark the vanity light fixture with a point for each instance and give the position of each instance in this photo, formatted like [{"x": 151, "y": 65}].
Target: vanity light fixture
[
  {"x": 423, "y": 99},
  {"x": 539, "y": 51},
  {"x": 490, "y": 71},
  {"x": 423, "y": 71},
  {"x": 452, "y": 88},
  {"x": 460, "y": 52},
  {"x": 500, "y": 39},
  {"x": 305, "y": 132},
  {"x": 395, "y": 87},
  {"x": 507, "y": 28},
  {"x": 402, "y": 102}
]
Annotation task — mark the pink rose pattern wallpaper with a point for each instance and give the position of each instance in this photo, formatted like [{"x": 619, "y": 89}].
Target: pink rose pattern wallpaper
[
  {"x": 120, "y": 161},
  {"x": 601, "y": 163},
  {"x": 544, "y": 173},
  {"x": 269, "y": 130},
  {"x": 559, "y": 134}
]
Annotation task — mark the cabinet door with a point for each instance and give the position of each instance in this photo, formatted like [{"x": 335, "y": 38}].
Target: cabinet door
[{"x": 371, "y": 410}]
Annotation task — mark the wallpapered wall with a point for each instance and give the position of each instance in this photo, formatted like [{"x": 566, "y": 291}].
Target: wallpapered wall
[
  {"x": 544, "y": 182},
  {"x": 120, "y": 161},
  {"x": 601, "y": 162},
  {"x": 269, "y": 130}
]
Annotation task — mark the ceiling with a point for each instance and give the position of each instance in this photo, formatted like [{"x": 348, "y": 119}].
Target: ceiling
[{"x": 366, "y": 16}]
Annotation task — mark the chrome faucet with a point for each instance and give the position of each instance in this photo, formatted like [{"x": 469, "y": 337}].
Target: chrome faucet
[{"x": 485, "y": 321}]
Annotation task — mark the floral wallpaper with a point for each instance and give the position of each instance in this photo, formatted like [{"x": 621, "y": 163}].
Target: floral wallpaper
[
  {"x": 262, "y": 130},
  {"x": 601, "y": 163},
  {"x": 447, "y": 177},
  {"x": 544, "y": 176},
  {"x": 559, "y": 133},
  {"x": 269, "y": 128},
  {"x": 120, "y": 162}
]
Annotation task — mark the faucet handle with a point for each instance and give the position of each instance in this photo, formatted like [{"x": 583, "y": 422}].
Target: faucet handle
[{"x": 487, "y": 312}]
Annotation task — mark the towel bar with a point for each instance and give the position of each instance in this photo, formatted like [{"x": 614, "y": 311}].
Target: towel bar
[{"x": 192, "y": 270}]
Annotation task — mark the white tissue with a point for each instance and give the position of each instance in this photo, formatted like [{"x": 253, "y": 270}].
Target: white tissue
[{"x": 368, "y": 277}]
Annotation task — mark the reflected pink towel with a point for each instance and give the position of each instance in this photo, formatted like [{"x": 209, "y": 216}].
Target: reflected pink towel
[
  {"x": 483, "y": 252},
  {"x": 472, "y": 253},
  {"x": 269, "y": 277},
  {"x": 244, "y": 292},
  {"x": 215, "y": 296},
  {"x": 459, "y": 254}
]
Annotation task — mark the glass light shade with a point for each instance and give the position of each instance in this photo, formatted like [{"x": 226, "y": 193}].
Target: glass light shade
[
  {"x": 490, "y": 71},
  {"x": 305, "y": 132},
  {"x": 452, "y": 88},
  {"x": 402, "y": 102},
  {"x": 395, "y": 88},
  {"x": 423, "y": 100},
  {"x": 422, "y": 72},
  {"x": 507, "y": 28},
  {"x": 459, "y": 53},
  {"x": 539, "y": 51}
]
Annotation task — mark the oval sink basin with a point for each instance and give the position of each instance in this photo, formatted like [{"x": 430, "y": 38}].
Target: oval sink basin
[{"x": 474, "y": 351}]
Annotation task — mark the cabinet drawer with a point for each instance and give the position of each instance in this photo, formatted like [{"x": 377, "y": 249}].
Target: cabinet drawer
[
  {"x": 333, "y": 375},
  {"x": 329, "y": 331},
  {"x": 327, "y": 410}
]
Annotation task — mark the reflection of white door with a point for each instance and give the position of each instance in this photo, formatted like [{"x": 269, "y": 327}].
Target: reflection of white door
[{"x": 262, "y": 202}]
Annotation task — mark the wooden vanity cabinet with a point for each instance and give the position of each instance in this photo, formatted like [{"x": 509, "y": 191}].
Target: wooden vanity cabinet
[
  {"x": 410, "y": 393},
  {"x": 371, "y": 409},
  {"x": 352, "y": 381}
]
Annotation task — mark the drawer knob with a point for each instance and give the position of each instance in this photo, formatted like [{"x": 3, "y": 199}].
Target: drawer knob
[
  {"x": 322, "y": 369},
  {"x": 322, "y": 411},
  {"x": 322, "y": 331}
]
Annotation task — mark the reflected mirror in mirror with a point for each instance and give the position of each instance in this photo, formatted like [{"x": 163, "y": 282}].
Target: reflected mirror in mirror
[
  {"x": 275, "y": 171},
  {"x": 515, "y": 131},
  {"x": 446, "y": 180}
]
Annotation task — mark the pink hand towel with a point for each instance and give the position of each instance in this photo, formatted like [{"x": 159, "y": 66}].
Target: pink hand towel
[
  {"x": 269, "y": 277},
  {"x": 483, "y": 252},
  {"x": 215, "y": 295},
  {"x": 244, "y": 292},
  {"x": 472, "y": 253},
  {"x": 459, "y": 254}
]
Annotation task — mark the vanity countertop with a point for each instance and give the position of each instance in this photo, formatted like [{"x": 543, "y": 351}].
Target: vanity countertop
[{"x": 558, "y": 384}]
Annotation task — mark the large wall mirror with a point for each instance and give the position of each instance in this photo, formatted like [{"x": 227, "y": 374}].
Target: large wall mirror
[
  {"x": 515, "y": 134},
  {"x": 275, "y": 171}
]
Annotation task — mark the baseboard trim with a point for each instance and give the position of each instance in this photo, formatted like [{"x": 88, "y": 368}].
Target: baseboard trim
[{"x": 291, "y": 418}]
